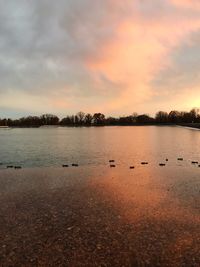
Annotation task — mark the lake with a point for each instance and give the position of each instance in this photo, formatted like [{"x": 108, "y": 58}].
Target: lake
[
  {"x": 42, "y": 147},
  {"x": 95, "y": 215}
]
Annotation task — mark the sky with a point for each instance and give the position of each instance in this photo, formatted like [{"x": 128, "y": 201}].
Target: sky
[{"x": 110, "y": 56}]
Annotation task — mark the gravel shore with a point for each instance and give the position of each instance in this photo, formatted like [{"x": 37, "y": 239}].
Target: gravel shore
[{"x": 97, "y": 216}]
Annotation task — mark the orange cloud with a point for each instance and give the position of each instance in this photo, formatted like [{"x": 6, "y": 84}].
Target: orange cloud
[
  {"x": 105, "y": 53},
  {"x": 140, "y": 49},
  {"x": 186, "y": 3}
]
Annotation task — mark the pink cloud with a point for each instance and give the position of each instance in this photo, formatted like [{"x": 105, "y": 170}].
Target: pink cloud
[
  {"x": 186, "y": 3},
  {"x": 92, "y": 55},
  {"x": 139, "y": 51}
]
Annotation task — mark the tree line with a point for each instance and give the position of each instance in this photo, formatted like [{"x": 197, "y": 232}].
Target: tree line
[{"x": 99, "y": 119}]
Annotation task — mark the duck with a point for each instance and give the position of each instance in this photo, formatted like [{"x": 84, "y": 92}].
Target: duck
[
  {"x": 74, "y": 164},
  {"x": 65, "y": 165},
  {"x": 112, "y": 166}
]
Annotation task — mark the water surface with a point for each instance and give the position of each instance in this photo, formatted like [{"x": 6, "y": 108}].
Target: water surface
[
  {"x": 96, "y": 145},
  {"x": 95, "y": 215}
]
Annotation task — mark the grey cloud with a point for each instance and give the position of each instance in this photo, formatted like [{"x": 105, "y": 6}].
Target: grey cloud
[
  {"x": 184, "y": 72},
  {"x": 44, "y": 44}
]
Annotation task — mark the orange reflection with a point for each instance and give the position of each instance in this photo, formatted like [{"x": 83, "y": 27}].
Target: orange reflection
[
  {"x": 99, "y": 216},
  {"x": 157, "y": 205}
]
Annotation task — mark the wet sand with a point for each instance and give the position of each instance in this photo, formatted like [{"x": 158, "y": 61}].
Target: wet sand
[{"x": 97, "y": 216}]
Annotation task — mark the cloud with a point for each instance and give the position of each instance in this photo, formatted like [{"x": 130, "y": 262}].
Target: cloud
[
  {"x": 71, "y": 55},
  {"x": 44, "y": 44},
  {"x": 143, "y": 48},
  {"x": 181, "y": 79},
  {"x": 193, "y": 4},
  {"x": 184, "y": 70}
]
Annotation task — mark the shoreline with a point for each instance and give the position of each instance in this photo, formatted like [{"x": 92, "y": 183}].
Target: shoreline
[
  {"x": 89, "y": 126},
  {"x": 190, "y": 125},
  {"x": 185, "y": 125}
]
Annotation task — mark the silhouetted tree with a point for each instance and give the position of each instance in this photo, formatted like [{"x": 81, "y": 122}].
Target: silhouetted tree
[
  {"x": 128, "y": 120},
  {"x": 99, "y": 119},
  {"x": 80, "y": 116},
  {"x": 88, "y": 119},
  {"x": 144, "y": 119},
  {"x": 49, "y": 119},
  {"x": 3, "y": 122},
  {"x": 134, "y": 116},
  {"x": 174, "y": 116},
  {"x": 194, "y": 114},
  {"x": 76, "y": 120},
  {"x": 161, "y": 117},
  {"x": 112, "y": 121},
  {"x": 30, "y": 121},
  {"x": 67, "y": 121}
]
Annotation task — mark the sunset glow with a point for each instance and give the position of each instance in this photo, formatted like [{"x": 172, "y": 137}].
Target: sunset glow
[{"x": 115, "y": 57}]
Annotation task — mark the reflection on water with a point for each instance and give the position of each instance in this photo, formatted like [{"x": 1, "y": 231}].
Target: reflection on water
[
  {"x": 95, "y": 215},
  {"x": 162, "y": 207},
  {"x": 155, "y": 192},
  {"x": 98, "y": 216},
  {"x": 127, "y": 145}
]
